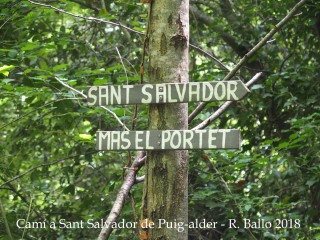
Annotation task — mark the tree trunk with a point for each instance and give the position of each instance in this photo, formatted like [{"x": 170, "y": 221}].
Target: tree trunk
[{"x": 166, "y": 183}]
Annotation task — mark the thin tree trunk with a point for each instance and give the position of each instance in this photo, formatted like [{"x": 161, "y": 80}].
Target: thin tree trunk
[{"x": 166, "y": 183}]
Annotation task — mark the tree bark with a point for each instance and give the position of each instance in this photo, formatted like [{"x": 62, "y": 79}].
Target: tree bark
[{"x": 166, "y": 184}]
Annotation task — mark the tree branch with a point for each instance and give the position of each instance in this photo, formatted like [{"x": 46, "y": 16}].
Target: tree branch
[
  {"x": 3, "y": 214},
  {"x": 129, "y": 181},
  {"x": 103, "y": 107},
  {"x": 229, "y": 14},
  {"x": 25, "y": 115},
  {"x": 38, "y": 166},
  {"x": 71, "y": 88},
  {"x": 219, "y": 63},
  {"x": 98, "y": 20},
  {"x": 224, "y": 106},
  {"x": 229, "y": 39},
  {"x": 257, "y": 47},
  {"x": 12, "y": 188},
  {"x": 263, "y": 41},
  {"x": 140, "y": 179},
  {"x": 85, "y": 5},
  {"x": 116, "y": 117},
  {"x": 124, "y": 67}
]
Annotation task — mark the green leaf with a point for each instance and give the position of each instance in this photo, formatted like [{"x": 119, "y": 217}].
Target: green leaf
[
  {"x": 317, "y": 236},
  {"x": 5, "y": 69},
  {"x": 85, "y": 136},
  {"x": 311, "y": 182},
  {"x": 283, "y": 145},
  {"x": 29, "y": 46},
  {"x": 99, "y": 82},
  {"x": 27, "y": 71},
  {"x": 59, "y": 67},
  {"x": 257, "y": 86},
  {"x": 7, "y": 80},
  {"x": 70, "y": 189},
  {"x": 43, "y": 64},
  {"x": 247, "y": 207},
  {"x": 8, "y": 87}
]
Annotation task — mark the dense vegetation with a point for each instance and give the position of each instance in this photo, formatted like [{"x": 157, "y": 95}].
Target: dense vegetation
[{"x": 50, "y": 170}]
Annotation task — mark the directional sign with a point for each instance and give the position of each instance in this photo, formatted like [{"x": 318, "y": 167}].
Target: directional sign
[
  {"x": 166, "y": 93},
  {"x": 168, "y": 139}
]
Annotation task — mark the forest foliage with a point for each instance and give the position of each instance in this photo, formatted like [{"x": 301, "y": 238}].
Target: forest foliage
[{"x": 50, "y": 169}]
